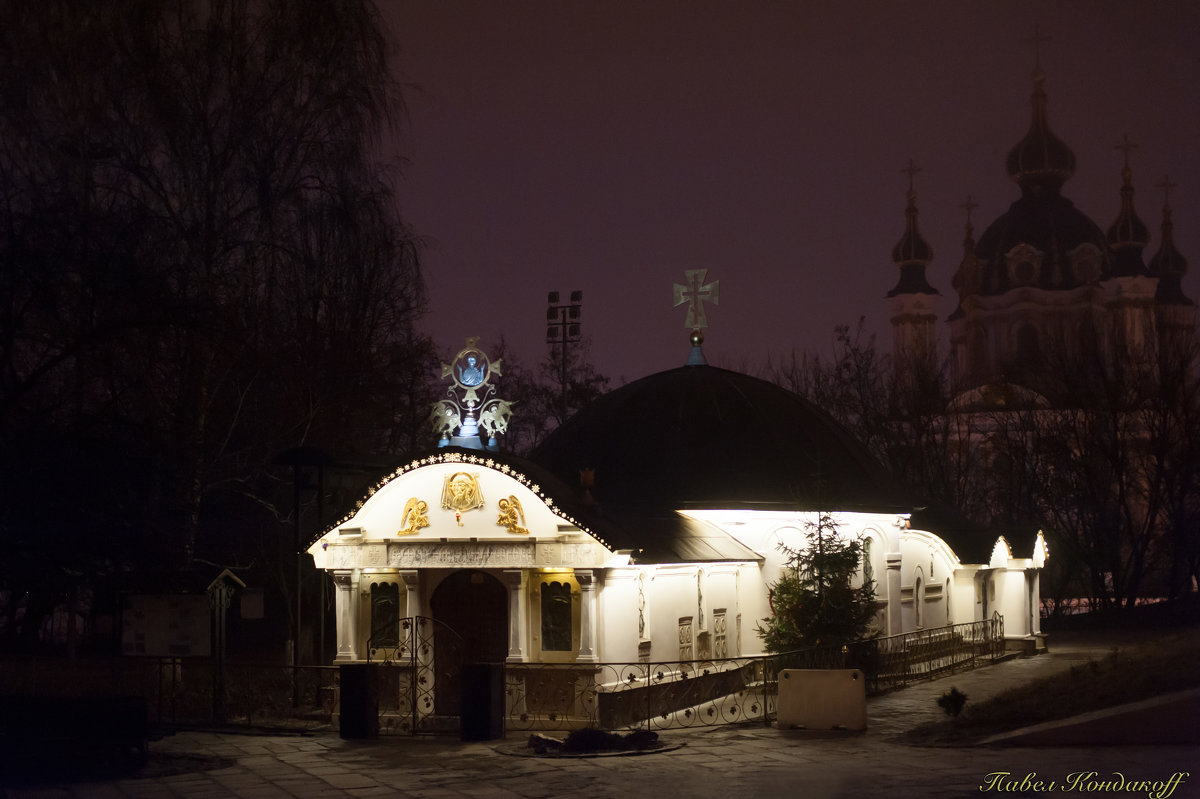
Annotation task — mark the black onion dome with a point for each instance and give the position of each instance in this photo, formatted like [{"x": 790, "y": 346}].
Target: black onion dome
[
  {"x": 1042, "y": 219},
  {"x": 1041, "y": 159},
  {"x": 911, "y": 254},
  {"x": 1169, "y": 266},
  {"x": 912, "y": 247},
  {"x": 1128, "y": 234},
  {"x": 1128, "y": 228},
  {"x": 704, "y": 437}
]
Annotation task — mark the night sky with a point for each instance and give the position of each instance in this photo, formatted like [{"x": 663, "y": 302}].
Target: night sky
[{"x": 609, "y": 146}]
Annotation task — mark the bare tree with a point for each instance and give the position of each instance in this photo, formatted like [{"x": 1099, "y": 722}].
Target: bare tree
[
  {"x": 542, "y": 401},
  {"x": 202, "y": 259},
  {"x": 1098, "y": 450}
]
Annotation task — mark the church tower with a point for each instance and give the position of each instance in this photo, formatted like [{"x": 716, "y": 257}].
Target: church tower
[
  {"x": 913, "y": 300},
  {"x": 1176, "y": 313},
  {"x": 1029, "y": 292},
  {"x": 966, "y": 284},
  {"x": 1130, "y": 291}
]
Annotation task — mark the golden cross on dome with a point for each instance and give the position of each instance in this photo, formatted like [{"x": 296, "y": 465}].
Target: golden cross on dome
[{"x": 696, "y": 293}]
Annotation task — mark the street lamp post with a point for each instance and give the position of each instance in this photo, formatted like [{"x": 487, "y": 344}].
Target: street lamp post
[{"x": 302, "y": 460}]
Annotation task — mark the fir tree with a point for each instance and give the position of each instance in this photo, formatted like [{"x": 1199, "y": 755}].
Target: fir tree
[{"x": 814, "y": 603}]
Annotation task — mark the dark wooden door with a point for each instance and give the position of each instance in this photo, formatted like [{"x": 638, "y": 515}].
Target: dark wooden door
[{"x": 475, "y": 605}]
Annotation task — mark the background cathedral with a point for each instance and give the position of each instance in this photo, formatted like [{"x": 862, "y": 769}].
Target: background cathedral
[
  {"x": 1044, "y": 285},
  {"x": 1066, "y": 394}
]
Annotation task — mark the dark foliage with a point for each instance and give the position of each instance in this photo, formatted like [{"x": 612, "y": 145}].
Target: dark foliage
[
  {"x": 201, "y": 267},
  {"x": 815, "y": 603},
  {"x": 952, "y": 701}
]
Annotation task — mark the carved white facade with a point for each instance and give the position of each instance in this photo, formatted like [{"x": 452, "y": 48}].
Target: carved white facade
[{"x": 563, "y": 594}]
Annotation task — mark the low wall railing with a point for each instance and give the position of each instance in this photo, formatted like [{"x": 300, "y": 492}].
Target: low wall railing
[
  {"x": 538, "y": 696},
  {"x": 181, "y": 691},
  {"x": 675, "y": 694}
]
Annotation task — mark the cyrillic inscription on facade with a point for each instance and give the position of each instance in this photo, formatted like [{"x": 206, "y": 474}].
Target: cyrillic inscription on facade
[{"x": 462, "y": 556}]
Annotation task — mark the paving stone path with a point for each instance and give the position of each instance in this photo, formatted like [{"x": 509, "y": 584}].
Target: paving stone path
[{"x": 724, "y": 762}]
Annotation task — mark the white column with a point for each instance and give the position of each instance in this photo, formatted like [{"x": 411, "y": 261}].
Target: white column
[
  {"x": 895, "y": 619},
  {"x": 412, "y": 596},
  {"x": 346, "y": 606},
  {"x": 587, "y": 616},
  {"x": 1036, "y": 596},
  {"x": 514, "y": 579}
]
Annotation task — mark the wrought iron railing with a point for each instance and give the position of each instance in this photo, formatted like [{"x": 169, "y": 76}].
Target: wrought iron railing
[
  {"x": 896, "y": 660},
  {"x": 180, "y": 691},
  {"x": 418, "y": 688},
  {"x": 676, "y": 694},
  {"x": 652, "y": 695},
  {"x": 418, "y": 676}
]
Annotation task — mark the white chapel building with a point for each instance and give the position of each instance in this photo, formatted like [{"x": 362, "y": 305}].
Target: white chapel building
[{"x": 648, "y": 528}]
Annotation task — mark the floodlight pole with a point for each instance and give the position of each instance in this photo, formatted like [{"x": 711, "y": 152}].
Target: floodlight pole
[{"x": 563, "y": 329}]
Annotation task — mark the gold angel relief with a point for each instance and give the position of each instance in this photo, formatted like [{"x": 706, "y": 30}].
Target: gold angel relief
[
  {"x": 461, "y": 492},
  {"x": 512, "y": 515},
  {"x": 414, "y": 517}
]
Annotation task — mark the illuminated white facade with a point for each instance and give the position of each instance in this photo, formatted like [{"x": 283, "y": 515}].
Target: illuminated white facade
[{"x": 552, "y": 589}]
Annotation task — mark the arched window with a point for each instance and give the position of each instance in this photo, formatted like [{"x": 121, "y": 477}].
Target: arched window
[
  {"x": 867, "y": 566},
  {"x": 556, "y": 617},
  {"x": 918, "y": 601},
  {"x": 385, "y": 615},
  {"x": 643, "y": 607}
]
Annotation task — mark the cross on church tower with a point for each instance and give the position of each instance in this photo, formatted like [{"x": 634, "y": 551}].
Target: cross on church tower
[
  {"x": 969, "y": 206},
  {"x": 696, "y": 293},
  {"x": 969, "y": 232},
  {"x": 1126, "y": 145},
  {"x": 1037, "y": 40},
  {"x": 911, "y": 170},
  {"x": 1166, "y": 186}
]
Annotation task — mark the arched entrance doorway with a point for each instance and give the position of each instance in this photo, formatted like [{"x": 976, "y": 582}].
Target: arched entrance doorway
[{"x": 475, "y": 605}]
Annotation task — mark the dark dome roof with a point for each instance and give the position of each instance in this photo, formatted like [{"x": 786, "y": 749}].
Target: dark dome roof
[
  {"x": 1051, "y": 224},
  {"x": 1128, "y": 228},
  {"x": 1169, "y": 265},
  {"x": 1042, "y": 218},
  {"x": 1041, "y": 159},
  {"x": 912, "y": 247},
  {"x": 911, "y": 254},
  {"x": 703, "y": 437}
]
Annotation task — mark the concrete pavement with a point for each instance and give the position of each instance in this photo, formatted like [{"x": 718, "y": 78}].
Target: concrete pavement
[{"x": 712, "y": 762}]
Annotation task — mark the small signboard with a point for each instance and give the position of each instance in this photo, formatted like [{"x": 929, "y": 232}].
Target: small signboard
[{"x": 167, "y": 625}]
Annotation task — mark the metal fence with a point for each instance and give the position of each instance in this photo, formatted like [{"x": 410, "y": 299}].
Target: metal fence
[
  {"x": 676, "y": 694},
  {"x": 416, "y": 694},
  {"x": 186, "y": 691},
  {"x": 897, "y": 660}
]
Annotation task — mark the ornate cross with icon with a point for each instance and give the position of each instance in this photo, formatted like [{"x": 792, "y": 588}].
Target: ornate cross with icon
[{"x": 471, "y": 402}]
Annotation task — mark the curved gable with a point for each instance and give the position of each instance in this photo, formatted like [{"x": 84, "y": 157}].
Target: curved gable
[{"x": 455, "y": 499}]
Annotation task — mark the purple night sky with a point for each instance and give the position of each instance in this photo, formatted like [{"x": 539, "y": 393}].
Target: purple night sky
[{"x": 609, "y": 146}]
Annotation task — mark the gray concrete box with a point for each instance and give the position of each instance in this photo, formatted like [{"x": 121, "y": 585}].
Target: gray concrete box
[{"x": 822, "y": 699}]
